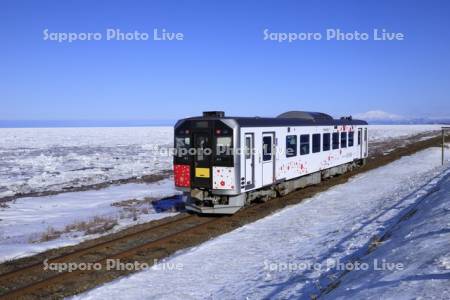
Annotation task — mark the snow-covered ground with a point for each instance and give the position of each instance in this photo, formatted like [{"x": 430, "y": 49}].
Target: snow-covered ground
[
  {"x": 26, "y": 222},
  {"x": 421, "y": 245},
  {"x": 379, "y": 133},
  {"x": 291, "y": 254},
  {"x": 53, "y": 159},
  {"x": 39, "y": 160}
]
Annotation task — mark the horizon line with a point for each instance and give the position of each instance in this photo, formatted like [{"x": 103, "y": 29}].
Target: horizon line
[{"x": 83, "y": 123}]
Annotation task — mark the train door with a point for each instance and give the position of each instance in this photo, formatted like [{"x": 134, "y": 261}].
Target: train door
[
  {"x": 249, "y": 159},
  {"x": 366, "y": 143},
  {"x": 360, "y": 143},
  {"x": 201, "y": 176},
  {"x": 267, "y": 158}
]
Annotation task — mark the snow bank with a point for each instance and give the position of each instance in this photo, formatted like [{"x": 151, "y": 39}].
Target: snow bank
[
  {"x": 249, "y": 262},
  {"x": 26, "y": 219},
  {"x": 420, "y": 247},
  {"x": 51, "y": 159}
]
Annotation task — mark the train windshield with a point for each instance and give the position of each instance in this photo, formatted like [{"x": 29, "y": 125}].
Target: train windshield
[
  {"x": 224, "y": 145},
  {"x": 182, "y": 146}
]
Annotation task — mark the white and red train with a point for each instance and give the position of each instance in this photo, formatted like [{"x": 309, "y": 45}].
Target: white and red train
[{"x": 223, "y": 163}]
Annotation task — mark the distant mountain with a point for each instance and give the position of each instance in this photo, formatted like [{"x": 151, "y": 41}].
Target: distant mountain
[
  {"x": 382, "y": 117},
  {"x": 379, "y": 115}
]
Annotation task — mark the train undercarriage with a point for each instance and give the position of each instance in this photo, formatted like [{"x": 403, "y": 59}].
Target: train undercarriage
[{"x": 203, "y": 202}]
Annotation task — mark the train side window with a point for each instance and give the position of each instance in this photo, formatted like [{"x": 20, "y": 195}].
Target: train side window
[
  {"x": 316, "y": 143},
  {"x": 343, "y": 139},
  {"x": 267, "y": 148},
  {"x": 359, "y": 137},
  {"x": 291, "y": 145},
  {"x": 335, "y": 140},
  {"x": 350, "y": 138},
  {"x": 304, "y": 144},
  {"x": 326, "y": 141}
]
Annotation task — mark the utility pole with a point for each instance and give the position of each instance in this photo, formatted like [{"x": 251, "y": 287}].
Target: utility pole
[{"x": 443, "y": 142}]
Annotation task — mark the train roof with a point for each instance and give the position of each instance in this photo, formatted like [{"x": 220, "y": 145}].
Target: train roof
[{"x": 291, "y": 118}]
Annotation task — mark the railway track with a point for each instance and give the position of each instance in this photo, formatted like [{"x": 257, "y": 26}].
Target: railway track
[{"x": 32, "y": 281}]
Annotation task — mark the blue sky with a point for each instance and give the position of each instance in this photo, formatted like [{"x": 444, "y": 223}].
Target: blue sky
[{"x": 223, "y": 63}]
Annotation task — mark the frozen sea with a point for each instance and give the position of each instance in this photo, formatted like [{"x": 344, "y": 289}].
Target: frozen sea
[{"x": 36, "y": 160}]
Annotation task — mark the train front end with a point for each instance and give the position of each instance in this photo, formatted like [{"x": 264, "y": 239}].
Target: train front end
[{"x": 206, "y": 163}]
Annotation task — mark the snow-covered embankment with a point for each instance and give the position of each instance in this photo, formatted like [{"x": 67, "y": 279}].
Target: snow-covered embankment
[{"x": 288, "y": 254}]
